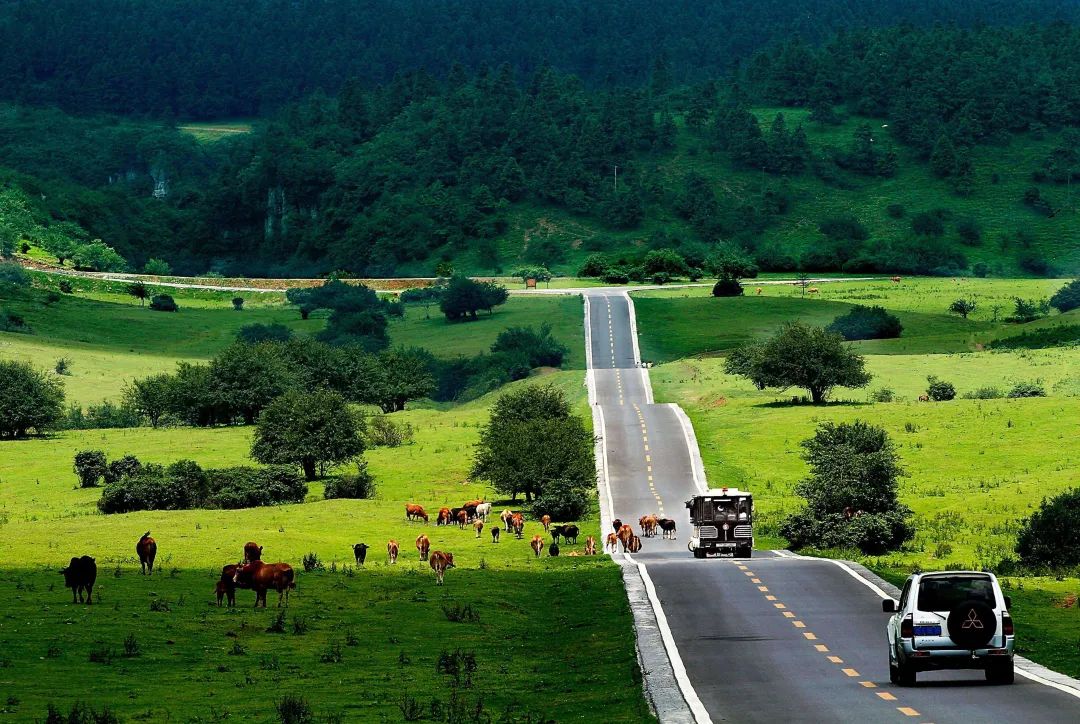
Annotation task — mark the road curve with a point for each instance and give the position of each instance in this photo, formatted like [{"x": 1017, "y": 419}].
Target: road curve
[{"x": 776, "y": 637}]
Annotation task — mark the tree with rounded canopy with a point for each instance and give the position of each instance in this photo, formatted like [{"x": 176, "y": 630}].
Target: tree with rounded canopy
[
  {"x": 29, "y": 399},
  {"x": 729, "y": 265},
  {"x": 1051, "y": 536},
  {"x": 394, "y": 377},
  {"x": 963, "y": 307},
  {"x": 850, "y": 493},
  {"x": 800, "y": 355},
  {"x": 531, "y": 441},
  {"x": 246, "y": 377},
  {"x": 139, "y": 291},
  {"x": 464, "y": 297},
  {"x": 151, "y": 396},
  {"x": 310, "y": 429}
]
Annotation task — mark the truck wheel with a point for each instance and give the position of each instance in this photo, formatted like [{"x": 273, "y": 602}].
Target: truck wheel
[
  {"x": 747, "y": 552},
  {"x": 1000, "y": 672},
  {"x": 699, "y": 553}
]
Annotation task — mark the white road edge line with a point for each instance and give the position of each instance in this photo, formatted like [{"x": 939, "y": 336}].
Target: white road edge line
[
  {"x": 1025, "y": 667},
  {"x": 607, "y": 513},
  {"x": 645, "y": 381}
]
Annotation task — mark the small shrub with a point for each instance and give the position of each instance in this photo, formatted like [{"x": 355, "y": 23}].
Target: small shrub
[
  {"x": 102, "y": 655},
  {"x": 238, "y": 304},
  {"x": 312, "y": 562},
  {"x": 882, "y": 394},
  {"x": 359, "y": 486},
  {"x": 660, "y": 278},
  {"x": 278, "y": 624},
  {"x": 294, "y": 710},
  {"x": 562, "y": 500},
  {"x": 727, "y": 287},
  {"x": 461, "y": 614},
  {"x": 927, "y": 223},
  {"x": 410, "y": 708},
  {"x": 969, "y": 231},
  {"x": 237, "y": 649},
  {"x": 299, "y": 625},
  {"x": 615, "y": 275},
  {"x": 943, "y": 550},
  {"x": 332, "y": 654},
  {"x": 1028, "y": 310},
  {"x": 52, "y": 298},
  {"x": 163, "y": 303},
  {"x": 984, "y": 393},
  {"x": 867, "y": 323},
  {"x": 269, "y": 662},
  {"x": 939, "y": 390},
  {"x": 1027, "y": 389},
  {"x": 126, "y": 466},
  {"x": 131, "y": 646},
  {"x": 62, "y": 366},
  {"x": 90, "y": 467},
  {"x": 384, "y": 432},
  {"x": 53, "y": 652},
  {"x": 160, "y": 605},
  {"x": 1051, "y": 536},
  {"x": 10, "y": 322},
  {"x": 258, "y": 332},
  {"x": 842, "y": 228},
  {"x": 65, "y": 286},
  {"x": 896, "y": 211},
  {"x": 351, "y": 639}
]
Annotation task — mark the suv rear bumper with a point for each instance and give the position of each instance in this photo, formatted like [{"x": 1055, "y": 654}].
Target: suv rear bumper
[{"x": 931, "y": 659}]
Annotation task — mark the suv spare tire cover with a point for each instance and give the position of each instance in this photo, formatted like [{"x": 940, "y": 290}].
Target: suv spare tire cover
[{"x": 972, "y": 624}]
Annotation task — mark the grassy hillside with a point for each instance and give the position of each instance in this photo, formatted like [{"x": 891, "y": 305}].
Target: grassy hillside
[
  {"x": 976, "y": 468},
  {"x": 109, "y": 338}
]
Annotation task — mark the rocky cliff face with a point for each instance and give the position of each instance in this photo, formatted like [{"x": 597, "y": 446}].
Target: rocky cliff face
[{"x": 276, "y": 224}]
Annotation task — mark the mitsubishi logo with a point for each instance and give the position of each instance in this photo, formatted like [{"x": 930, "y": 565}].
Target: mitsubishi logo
[{"x": 972, "y": 620}]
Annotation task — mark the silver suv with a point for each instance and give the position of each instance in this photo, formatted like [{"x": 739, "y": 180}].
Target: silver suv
[{"x": 950, "y": 620}]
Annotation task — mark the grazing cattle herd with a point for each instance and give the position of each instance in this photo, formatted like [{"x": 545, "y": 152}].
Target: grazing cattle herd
[{"x": 254, "y": 574}]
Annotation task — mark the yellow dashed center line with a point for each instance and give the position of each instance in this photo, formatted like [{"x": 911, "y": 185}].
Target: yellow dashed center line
[
  {"x": 886, "y": 696},
  {"x": 868, "y": 684},
  {"x": 907, "y": 711},
  {"x": 821, "y": 648},
  {"x": 850, "y": 672},
  {"x": 835, "y": 659}
]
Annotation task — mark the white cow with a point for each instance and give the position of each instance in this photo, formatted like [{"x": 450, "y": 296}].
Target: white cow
[{"x": 483, "y": 511}]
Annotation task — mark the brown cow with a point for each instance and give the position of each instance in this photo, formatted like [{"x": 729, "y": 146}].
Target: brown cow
[
  {"x": 518, "y": 521},
  {"x": 226, "y": 586},
  {"x": 537, "y": 545},
  {"x": 444, "y": 517},
  {"x": 506, "y": 517},
  {"x": 895, "y": 280},
  {"x": 625, "y": 534},
  {"x": 545, "y": 520},
  {"x": 263, "y": 576},
  {"x": 439, "y": 563},
  {"x": 79, "y": 576},
  {"x": 146, "y": 549},
  {"x": 423, "y": 545},
  {"x": 392, "y": 551},
  {"x": 479, "y": 526},
  {"x": 612, "y": 542},
  {"x": 812, "y": 290},
  {"x": 462, "y": 518},
  {"x": 924, "y": 398},
  {"x": 252, "y": 552},
  {"x": 415, "y": 511},
  {"x": 635, "y": 544},
  {"x": 759, "y": 291},
  {"x": 590, "y": 546}
]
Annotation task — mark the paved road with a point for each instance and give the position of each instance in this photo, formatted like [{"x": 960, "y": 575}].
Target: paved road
[{"x": 772, "y": 638}]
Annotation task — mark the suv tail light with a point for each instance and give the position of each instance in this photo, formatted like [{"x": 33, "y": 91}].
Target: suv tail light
[
  {"x": 907, "y": 628},
  {"x": 1006, "y": 624}
]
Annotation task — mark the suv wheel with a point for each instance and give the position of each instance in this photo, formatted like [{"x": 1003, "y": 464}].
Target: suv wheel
[
  {"x": 894, "y": 673},
  {"x": 905, "y": 675},
  {"x": 699, "y": 553},
  {"x": 1000, "y": 672}
]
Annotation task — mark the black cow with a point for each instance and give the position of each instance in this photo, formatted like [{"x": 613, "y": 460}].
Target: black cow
[
  {"x": 553, "y": 549},
  {"x": 79, "y": 576},
  {"x": 360, "y": 551},
  {"x": 556, "y": 531},
  {"x": 667, "y": 525},
  {"x": 570, "y": 533},
  {"x": 495, "y": 534}
]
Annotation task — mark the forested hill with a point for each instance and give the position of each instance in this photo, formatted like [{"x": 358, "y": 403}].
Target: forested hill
[
  {"x": 939, "y": 150},
  {"x": 212, "y": 59}
]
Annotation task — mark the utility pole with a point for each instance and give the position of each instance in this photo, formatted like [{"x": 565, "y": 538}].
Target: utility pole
[{"x": 616, "y": 177}]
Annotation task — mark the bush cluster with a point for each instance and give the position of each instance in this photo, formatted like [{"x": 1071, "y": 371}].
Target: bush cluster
[
  {"x": 184, "y": 485},
  {"x": 1051, "y": 537},
  {"x": 359, "y": 485},
  {"x": 867, "y": 323}
]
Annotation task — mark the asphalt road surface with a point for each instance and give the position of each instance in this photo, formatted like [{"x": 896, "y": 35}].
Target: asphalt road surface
[{"x": 772, "y": 638}]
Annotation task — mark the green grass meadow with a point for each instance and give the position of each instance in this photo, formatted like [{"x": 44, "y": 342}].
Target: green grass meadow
[
  {"x": 552, "y": 637},
  {"x": 976, "y": 468}
]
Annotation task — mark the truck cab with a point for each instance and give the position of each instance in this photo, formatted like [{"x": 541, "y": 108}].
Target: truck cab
[{"x": 722, "y": 521}]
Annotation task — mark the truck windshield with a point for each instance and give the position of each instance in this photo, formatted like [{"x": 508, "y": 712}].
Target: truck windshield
[
  {"x": 943, "y": 593},
  {"x": 725, "y": 511}
]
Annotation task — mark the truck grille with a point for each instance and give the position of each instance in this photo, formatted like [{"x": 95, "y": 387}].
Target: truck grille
[
  {"x": 742, "y": 531},
  {"x": 707, "y": 531}
]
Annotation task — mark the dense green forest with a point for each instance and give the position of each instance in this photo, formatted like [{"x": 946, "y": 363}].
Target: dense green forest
[
  {"x": 207, "y": 59},
  {"x": 939, "y": 150}
]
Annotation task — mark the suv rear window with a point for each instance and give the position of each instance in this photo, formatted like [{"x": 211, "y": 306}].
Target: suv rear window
[{"x": 944, "y": 593}]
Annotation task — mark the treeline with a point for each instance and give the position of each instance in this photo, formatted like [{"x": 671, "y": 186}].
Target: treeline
[{"x": 203, "y": 59}]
